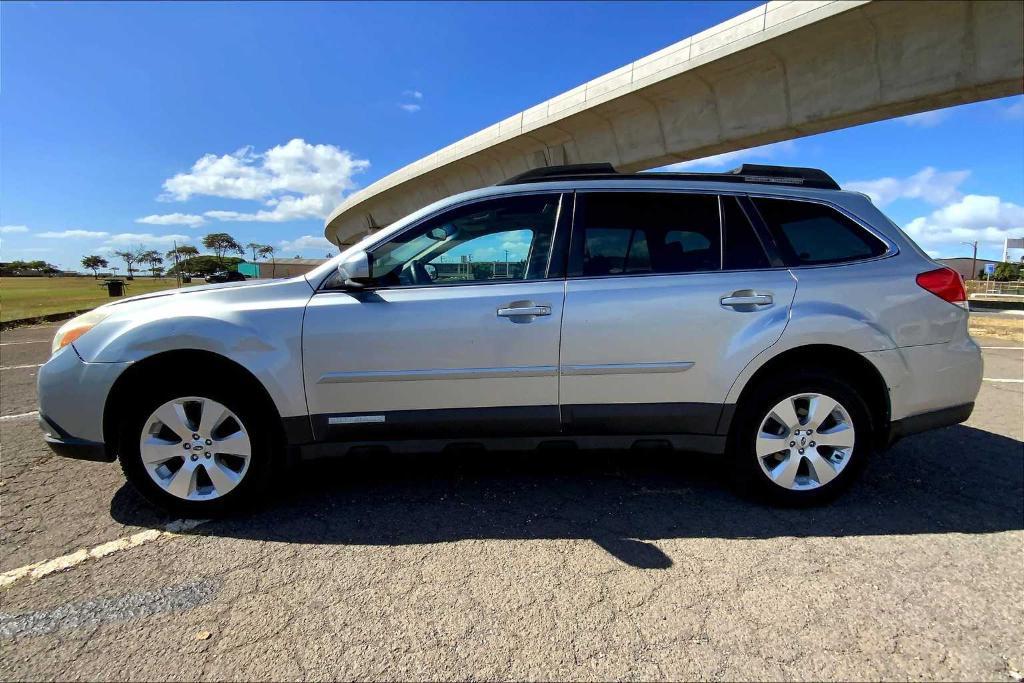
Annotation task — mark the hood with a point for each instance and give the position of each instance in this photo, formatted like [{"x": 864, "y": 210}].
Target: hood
[
  {"x": 188, "y": 289},
  {"x": 174, "y": 301}
]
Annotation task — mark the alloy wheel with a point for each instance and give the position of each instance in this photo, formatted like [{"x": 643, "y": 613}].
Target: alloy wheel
[
  {"x": 195, "y": 448},
  {"x": 805, "y": 441}
]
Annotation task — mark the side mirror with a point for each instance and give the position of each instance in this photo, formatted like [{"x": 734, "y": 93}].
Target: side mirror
[{"x": 354, "y": 270}]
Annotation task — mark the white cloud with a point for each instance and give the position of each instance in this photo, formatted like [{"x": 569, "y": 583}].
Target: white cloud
[
  {"x": 926, "y": 119},
  {"x": 319, "y": 244},
  {"x": 146, "y": 238},
  {"x": 287, "y": 208},
  {"x": 414, "y": 106},
  {"x": 8, "y": 229},
  {"x": 786, "y": 148},
  {"x": 191, "y": 220},
  {"x": 985, "y": 218},
  {"x": 929, "y": 185},
  {"x": 71, "y": 234},
  {"x": 297, "y": 179},
  {"x": 29, "y": 250},
  {"x": 1015, "y": 111}
]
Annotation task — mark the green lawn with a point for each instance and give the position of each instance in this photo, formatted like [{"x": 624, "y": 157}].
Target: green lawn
[{"x": 27, "y": 297}]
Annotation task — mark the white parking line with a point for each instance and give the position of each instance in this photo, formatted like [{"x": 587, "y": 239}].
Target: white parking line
[
  {"x": 1007, "y": 381},
  {"x": 19, "y": 367},
  {"x": 38, "y": 570},
  {"x": 38, "y": 341},
  {"x": 19, "y": 416},
  {"x": 1004, "y": 348}
]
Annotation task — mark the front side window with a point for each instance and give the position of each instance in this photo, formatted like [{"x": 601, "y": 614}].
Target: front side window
[
  {"x": 498, "y": 239},
  {"x": 629, "y": 233},
  {"x": 812, "y": 234}
]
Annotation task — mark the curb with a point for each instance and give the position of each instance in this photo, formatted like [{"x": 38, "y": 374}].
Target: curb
[{"x": 36, "y": 320}]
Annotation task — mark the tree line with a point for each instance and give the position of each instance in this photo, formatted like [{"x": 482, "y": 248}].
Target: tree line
[{"x": 186, "y": 258}]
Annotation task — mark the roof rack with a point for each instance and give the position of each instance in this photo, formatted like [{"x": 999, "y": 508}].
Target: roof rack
[
  {"x": 542, "y": 173},
  {"x": 747, "y": 173}
]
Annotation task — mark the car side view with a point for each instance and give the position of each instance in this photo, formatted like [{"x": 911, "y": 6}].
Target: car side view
[{"x": 764, "y": 315}]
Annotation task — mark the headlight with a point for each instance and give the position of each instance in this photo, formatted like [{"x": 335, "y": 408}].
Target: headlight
[{"x": 76, "y": 327}]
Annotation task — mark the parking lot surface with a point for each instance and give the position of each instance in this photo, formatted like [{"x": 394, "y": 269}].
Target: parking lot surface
[{"x": 549, "y": 565}]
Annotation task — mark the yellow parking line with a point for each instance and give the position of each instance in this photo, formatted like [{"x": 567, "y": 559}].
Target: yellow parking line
[
  {"x": 19, "y": 416},
  {"x": 38, "y": 570}
]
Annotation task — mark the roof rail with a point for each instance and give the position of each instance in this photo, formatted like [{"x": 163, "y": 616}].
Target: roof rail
[
  {"x": 792, "y": 175},
  {"x": 536, "y": 175},
  {"x": 747, "y": 173}
]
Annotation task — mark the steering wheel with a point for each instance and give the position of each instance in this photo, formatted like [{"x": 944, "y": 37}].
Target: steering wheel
[{"x": 414, "y": 273}]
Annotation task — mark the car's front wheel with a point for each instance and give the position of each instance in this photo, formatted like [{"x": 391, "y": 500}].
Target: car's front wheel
[
  {"x": 800, "y": 439},
  {"x": 196, "y": 452}
]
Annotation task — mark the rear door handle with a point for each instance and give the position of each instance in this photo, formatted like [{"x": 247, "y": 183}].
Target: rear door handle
[
  {"x": 515, "y": 312},
  {"x": 737, "y": 299}
]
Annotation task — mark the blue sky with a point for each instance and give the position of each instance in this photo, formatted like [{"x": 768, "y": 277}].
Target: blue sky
[{"x": 135, "y": 124}]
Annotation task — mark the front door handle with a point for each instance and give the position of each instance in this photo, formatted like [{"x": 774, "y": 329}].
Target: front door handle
[
  {"x": 524, "y": 310},
  {"x": 746, "y": 298}
]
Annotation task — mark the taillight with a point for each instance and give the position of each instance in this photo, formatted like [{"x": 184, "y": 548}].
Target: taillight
[{"x": 946, "y": 284}]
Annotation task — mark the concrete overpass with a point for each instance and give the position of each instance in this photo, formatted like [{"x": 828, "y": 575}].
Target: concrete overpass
[{"x": 783, "y": 70}]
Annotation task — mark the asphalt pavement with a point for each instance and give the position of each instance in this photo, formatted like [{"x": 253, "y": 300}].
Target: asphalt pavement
[{"x": 549, "y": 565}]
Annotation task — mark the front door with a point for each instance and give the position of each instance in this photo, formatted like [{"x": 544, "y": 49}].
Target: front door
[{"x": 457, "y": 336}]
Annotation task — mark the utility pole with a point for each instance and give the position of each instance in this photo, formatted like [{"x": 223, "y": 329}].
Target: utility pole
[{"x": 974, "y": 258}]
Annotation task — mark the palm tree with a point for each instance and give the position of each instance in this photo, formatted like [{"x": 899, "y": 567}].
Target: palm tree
[
  {"x": 268, "y": 250},
  {"x": 257, "y": 249},
  {"x": 152, "y": 258},
  {"x": 184, "y": 253}
]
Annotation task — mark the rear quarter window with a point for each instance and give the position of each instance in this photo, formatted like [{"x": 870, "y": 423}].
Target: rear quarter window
[{"x": 813, "y": 234}]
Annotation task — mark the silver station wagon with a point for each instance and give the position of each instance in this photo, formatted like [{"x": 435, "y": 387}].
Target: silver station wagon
[{"x": 764, "y": 315}]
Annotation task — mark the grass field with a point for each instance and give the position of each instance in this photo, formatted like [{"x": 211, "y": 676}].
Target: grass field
[
  {"x": 1009, "y": 329},
  {"x": 27, "y": 297}
]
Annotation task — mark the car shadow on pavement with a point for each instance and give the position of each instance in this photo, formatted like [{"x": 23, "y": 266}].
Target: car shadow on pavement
[{"x": 955, "y": 480}]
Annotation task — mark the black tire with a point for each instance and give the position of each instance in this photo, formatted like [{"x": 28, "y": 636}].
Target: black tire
[
  {"x": 750, "y": 478},
  {"x": 255, "y": 419}
]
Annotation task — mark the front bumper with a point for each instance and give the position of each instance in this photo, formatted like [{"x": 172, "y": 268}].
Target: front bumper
[
  {"x": 72, "y": 397},
  {"x": 67, "y": 446}
]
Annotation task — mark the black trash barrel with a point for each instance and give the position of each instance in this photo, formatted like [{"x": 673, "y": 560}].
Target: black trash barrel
[{"x": 115, "y": 287}]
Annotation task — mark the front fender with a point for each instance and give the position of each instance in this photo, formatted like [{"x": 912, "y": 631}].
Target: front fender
[{"x": 258, "y": 328}]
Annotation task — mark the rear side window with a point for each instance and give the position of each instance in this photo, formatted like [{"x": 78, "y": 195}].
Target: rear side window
[
  {"x": 811, "y": 234},
  {"x": 743, "y": 250},
  {"x": 631, "y": 233}
]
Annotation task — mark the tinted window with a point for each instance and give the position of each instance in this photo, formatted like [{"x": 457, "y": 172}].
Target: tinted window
[
  {"x": 743, "y": 250},
  {"x": 626, "y": 233},
  {"x": 498, "y": 239},
  {"x": 809, "y": 233}
]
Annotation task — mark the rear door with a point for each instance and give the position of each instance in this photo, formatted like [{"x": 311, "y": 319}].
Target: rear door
[{"x": 669, "y": 295}]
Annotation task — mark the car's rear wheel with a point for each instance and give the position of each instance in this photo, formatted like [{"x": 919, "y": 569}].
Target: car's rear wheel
[
  {"x": 197, "y": 451},
  {"x": 800, "y": 438}
]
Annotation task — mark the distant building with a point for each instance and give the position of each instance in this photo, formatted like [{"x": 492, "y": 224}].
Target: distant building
[
  {"x": 282, "y": 267},
  {"x": 962, "y": 265}
]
